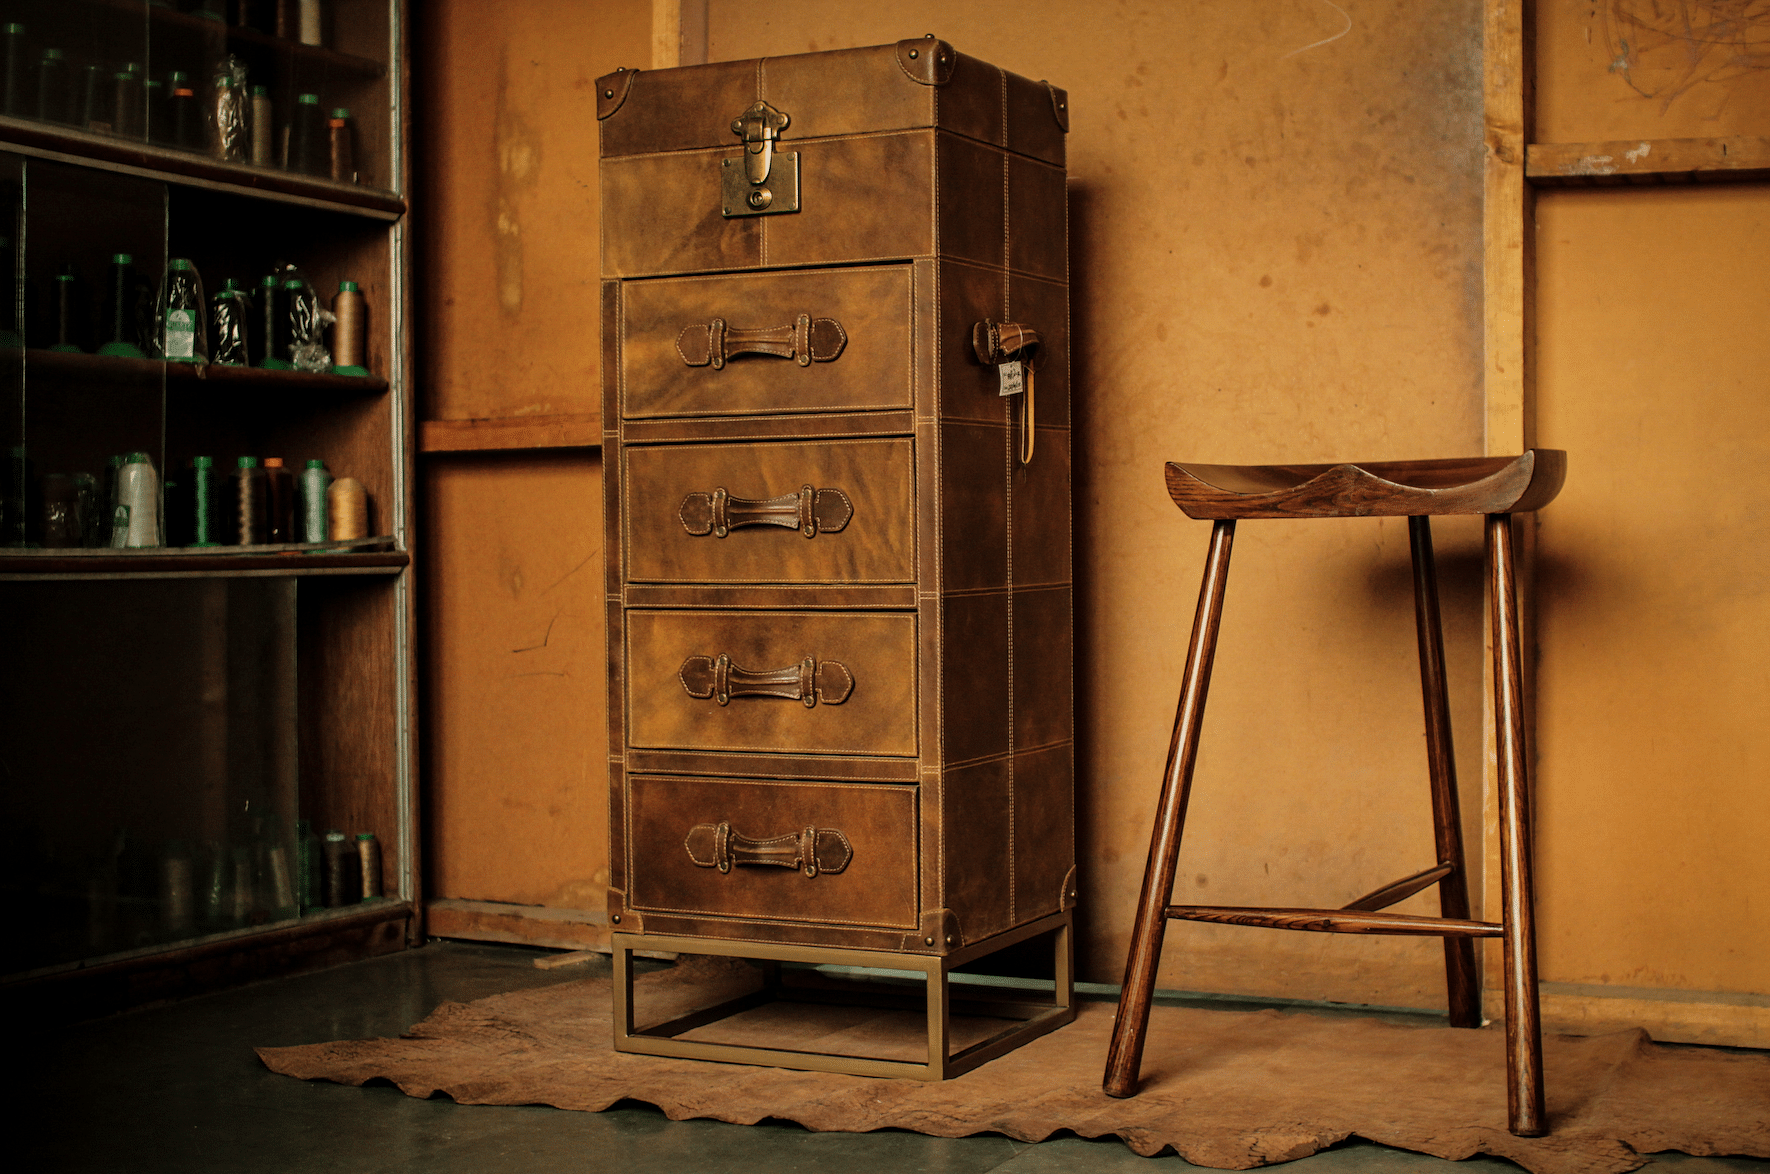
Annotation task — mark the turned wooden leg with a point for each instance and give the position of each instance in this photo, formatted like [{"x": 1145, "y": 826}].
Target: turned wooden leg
[
  {"x": 1524, "y": 1046},
  {"x": 1453, "y": 891},
  {"x": 1125, "y": 1057}
]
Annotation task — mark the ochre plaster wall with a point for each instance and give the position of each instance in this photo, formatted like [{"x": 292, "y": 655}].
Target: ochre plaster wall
[
  {"x": 1654, "y": 608},
  {"x": 1276, "y": 255},
  {"x": 513, "y": 723}
]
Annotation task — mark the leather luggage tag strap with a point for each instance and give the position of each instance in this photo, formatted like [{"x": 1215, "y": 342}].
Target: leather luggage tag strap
[
  {"x": 812, "y": 851},
  {"x": 805, "y": 340},
  {"x": 810, "y": 511},
  {"x": 810, "y": 681}
]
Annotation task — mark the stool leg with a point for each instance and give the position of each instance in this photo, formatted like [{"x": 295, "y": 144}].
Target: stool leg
[
  {"x": 1125, "y": 1057},
  {"x": 1453, "y": 891},
  {"x": 1524, "y": 1045}
]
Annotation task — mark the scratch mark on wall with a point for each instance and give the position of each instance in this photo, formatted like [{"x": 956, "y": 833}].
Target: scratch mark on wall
[
  {"x": 1325, "y": 40},
  {"x": 1639, "y": 153},
  {"x": 582, "y": 563},
  {"x": 1664, "y": 48},
  {"x": 546, "y": 636}
]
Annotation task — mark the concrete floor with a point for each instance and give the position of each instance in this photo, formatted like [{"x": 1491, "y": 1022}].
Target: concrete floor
[{"x": 178, "y": 1088}]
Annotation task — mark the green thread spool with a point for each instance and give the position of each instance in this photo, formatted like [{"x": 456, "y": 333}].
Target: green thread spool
[
  {"x": 203, "y": 503},
  {"x": 314, "y": 483}
]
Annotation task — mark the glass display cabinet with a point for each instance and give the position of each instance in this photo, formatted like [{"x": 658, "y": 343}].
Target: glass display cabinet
[{"x": 206, "y": 746}]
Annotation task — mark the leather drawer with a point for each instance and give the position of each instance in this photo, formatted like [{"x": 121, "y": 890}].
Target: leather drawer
[
  {"x": 735, "y": 513},
  {"x": 865, "y": 849},
  {"x": 855, "y": 342},
  {"x": 859, "y": 669}
]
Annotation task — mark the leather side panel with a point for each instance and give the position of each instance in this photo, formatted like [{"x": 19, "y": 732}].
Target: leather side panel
[
  {"x": 1041, "y": 550},
  {"x": 878, "y": 717},
  {"x": 974, "y": 506},
  {"x": 1033, "y": 128},
  {"x": 968, "y": 295},
  {"x": 1043, "y": 656},
  {"x": 976, "y": 835},
  {"x": 971, "y": 200},
  {"x": 873, "y": 370},
  {"x": 877, "y": 545},
  {"x": 1037, "y": 219},
  {"x": 877, "y": 888},
  {"x": 974, "y": 676},
  {"x": 1044, "y": 829}
]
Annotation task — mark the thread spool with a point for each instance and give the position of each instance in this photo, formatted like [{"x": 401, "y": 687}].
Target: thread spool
[
  {"x": 250, "y": 512},
  {"x": 242, "y": 895},
  {"x": 349, "y": 330},
  {"x": 138, "y": 491},
  {"x": 282, "y": 891},
  {"x": 368, "y": 855},
  {"x": 263, "y": 127},
  {"x": 343, "y": 158},
  {"x": 314, "y": 483},
  {"x": 309, "y": 21},
  {"x": 343, "y": 875},
  {"x": 279, "y": 501},
  {"x": 347, "y": 510}
]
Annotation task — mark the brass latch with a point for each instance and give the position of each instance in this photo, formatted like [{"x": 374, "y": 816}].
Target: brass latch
[{"x": 763, "y": 181}]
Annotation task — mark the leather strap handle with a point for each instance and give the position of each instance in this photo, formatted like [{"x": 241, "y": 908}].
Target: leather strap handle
[
  {"x": 810, "y": 511},
  {"x": 996, "y": 343},
  {"x": 805, "y": 340},
  {"x": 814, "y": 850},
  {"x": 809, "y": 681}
]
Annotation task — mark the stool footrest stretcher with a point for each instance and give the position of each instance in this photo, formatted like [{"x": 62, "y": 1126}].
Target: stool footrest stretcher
[{"x": 1336, "y": 921}]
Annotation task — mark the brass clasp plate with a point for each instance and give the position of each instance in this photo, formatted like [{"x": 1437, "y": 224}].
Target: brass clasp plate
[{"x": 762, "y": 181}]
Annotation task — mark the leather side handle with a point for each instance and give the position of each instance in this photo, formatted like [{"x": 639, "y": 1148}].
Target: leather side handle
[
  {"x": 814, "y": 850},
  {"x": 809, "y": 681},
  {"x": 805, "y": 340},
  {"x": 998, "y": 342},
  {"x": 810, "y": 511}
]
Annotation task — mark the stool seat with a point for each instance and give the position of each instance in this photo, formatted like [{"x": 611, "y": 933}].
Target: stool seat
[{"x": 1370, "y": 489}]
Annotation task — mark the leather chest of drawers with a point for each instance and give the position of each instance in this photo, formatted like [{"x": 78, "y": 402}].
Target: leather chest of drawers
[{"x": 839, "y": 590}]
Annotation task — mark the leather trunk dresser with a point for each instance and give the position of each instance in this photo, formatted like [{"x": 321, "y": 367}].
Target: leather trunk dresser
[{"x": 835, "y": 316}]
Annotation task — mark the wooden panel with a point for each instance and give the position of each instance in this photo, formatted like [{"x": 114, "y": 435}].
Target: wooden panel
[
  {"x": 1735, "y": 159},
  {"x": 1647, "y": 69},
  {"x": 506, "y": 161},
  {"x": 1654, "y": 628},
  {"x": 516, "y": 432},
  {"x": 514, "y": 731}
]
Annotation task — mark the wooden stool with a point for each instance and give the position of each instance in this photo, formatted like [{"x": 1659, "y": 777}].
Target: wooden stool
[{"x": 1497, "y": 487}]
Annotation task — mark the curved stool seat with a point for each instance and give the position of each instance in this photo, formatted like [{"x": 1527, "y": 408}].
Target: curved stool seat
[
  {"x": 1370, "y": 489},
  {"x": 1496, "y": 487}
]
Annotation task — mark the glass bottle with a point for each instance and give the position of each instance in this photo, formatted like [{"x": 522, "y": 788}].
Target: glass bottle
[
  {"x": 230, "y": 312},
  {"x": 180, "y": 315},
  {"x": 53, "y": 94}
]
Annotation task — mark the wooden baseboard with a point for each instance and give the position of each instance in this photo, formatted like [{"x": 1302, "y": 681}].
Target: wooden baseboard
[
  {"x": 1670, "y": 1016},
  {"x": 106, "y": 987},
  {"x": 522, "y": 925}
]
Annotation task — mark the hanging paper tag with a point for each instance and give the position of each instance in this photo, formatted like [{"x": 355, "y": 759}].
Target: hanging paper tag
[
  {"x": 1013, "y": 376},
  {"x": 181, "y": 334}
]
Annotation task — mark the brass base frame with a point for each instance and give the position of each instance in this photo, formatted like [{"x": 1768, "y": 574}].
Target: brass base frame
[{"x": 1036, "y": 1019}]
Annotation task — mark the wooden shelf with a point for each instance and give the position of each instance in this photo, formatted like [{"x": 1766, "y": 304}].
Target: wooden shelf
[
  {"x": 510, "y": 433},
  {"x": 190, "y": 563},
  {"x": 235, "y": 34},
  {"x": 68, "y": 366},
  {"x": 1735, "y": 159},
  {"x": 130, "y": 157}
]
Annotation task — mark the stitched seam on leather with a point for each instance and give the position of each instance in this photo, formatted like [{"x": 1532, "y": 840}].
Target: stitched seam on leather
[{"x": 1011, "y": 440}]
